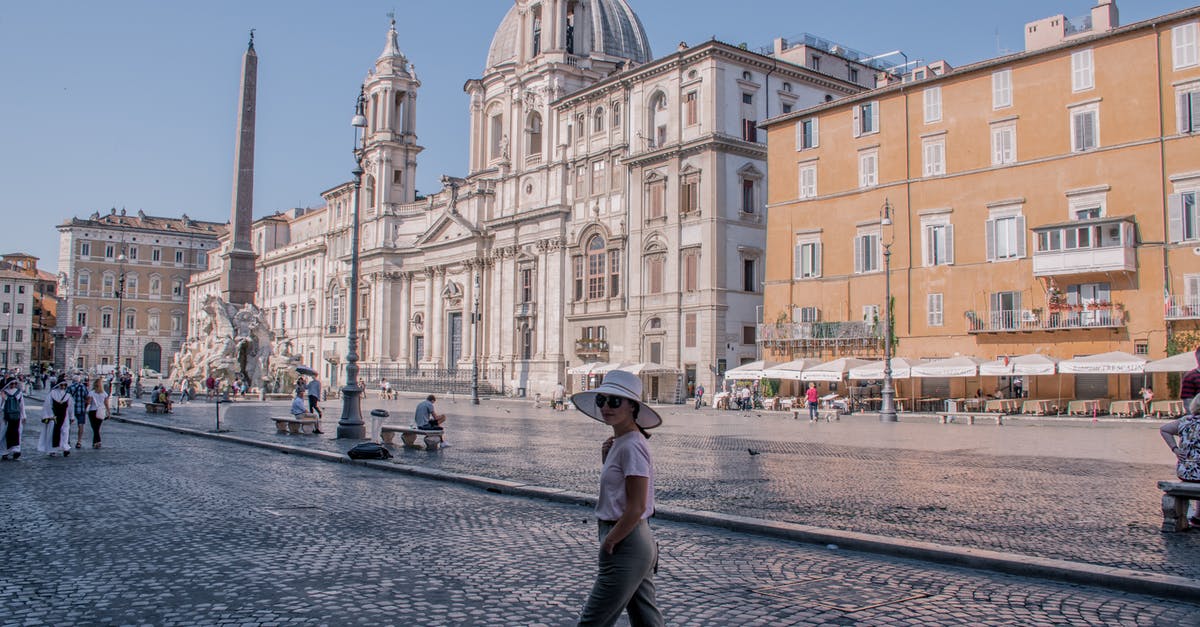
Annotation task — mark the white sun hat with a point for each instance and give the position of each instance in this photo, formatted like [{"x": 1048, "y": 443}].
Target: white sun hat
[{"x": 618, "y": 383}]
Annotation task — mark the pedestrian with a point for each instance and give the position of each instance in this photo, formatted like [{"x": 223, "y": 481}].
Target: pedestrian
[
  {"x": 97, "y": 410},
  {"x": 628, "y": 553},
  {"x": 699, "y": 396},
  {"x": 56, "y": 421},
  {"x": 314, "y": 400},
  {"x": 210, "y": 385},
  {"x": 78, "y": 390},
  {"x": 427, "y": 419},
  {"x": 12, "y": 403},
  {"x": 385, "y": 390},
  {"x": 1186, "y": 449},
  {"x": 811, "y": 396},
  {"x": 747, "y": 399},
  {"x": 559, "y": 396}
]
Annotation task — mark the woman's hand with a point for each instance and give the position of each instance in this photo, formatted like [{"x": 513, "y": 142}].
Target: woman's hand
[{"x": 604, "y": 448}]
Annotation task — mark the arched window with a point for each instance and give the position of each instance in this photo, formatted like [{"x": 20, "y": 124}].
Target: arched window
[
  {"x": 131, "y": 286},
  {"x": 598, "y": 120},
  {"x": 596, "y": 257},
  {"x": 534, "y": 129},
  {"x": 369, "y": 190},
  {"x": 155, "y": 286},
  {"x": 495, "y": 133},
  {"x": 658, "y": 119},
  {"x": 616, "y": 115}
]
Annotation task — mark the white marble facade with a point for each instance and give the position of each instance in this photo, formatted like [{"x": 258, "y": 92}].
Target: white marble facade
[{"x": 613, "y": 211}]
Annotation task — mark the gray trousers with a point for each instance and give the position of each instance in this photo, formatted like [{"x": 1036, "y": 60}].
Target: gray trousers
[{"x": 625, "y": 581}]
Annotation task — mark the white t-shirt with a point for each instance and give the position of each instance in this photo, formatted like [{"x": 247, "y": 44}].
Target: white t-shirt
[
  {"x": 97, "y": 403},
  {"x": 628, "y": 457}
]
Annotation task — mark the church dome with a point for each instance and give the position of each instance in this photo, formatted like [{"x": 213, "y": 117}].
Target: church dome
[{"x": 614, "y": 31}]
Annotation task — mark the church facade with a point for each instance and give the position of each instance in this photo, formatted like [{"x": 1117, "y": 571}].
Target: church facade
[{"x": 613, "y": 212}]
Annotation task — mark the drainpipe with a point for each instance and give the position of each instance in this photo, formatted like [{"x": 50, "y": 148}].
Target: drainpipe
[{"x": 1162, "y": 167}]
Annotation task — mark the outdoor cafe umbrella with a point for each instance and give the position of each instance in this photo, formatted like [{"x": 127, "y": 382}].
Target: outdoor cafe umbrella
[
  {"x": 1116, "y": 362},
  {"x": 1182, "y": 362},
  {"x": 835, "y": 370},
  {"x": 648, "y": 368},
  {"x": 752, "y": 371},
  {"x": 961, "y": 366},
  {"x": 791, "y": 370},
  {"x": 901, "y": 369}
]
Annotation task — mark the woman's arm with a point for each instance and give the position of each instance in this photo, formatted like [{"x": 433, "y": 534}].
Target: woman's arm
[
  {"x": 636, "y": 489},
  {"x": 1168, "y": 432}
]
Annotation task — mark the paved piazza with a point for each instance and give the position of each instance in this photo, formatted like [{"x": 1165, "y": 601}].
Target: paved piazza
[
  {"x": 162, "y": 528},
  {"x": 1079, "y": 491}
]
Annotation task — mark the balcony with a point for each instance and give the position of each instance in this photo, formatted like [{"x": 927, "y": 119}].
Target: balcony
[
  {"x": 525, "y": 310},
  {"x": 1183, "y": 307},
  {"x": 591, "y": 349},
  {"x": 1085, "y": 246},
  {"x": 332, "y": 357},
  {"x": 1063, "y": 318},
  {"x": 810, "y": 339}
]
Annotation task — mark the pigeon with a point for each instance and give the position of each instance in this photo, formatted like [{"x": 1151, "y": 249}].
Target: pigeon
[{"x": 752, "y": 451}]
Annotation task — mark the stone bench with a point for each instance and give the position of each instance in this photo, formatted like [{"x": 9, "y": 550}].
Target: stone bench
[
  {"x": 305, "y": 423},
  {"x": 1176, "y": 495},
  {"x": 123, "y": 402},
  {"x": 949, "y": 416},
  {"x": 408, "y": 435},
  {"x": 829, "y": 414},
  {"x": 156, "y": 408}
]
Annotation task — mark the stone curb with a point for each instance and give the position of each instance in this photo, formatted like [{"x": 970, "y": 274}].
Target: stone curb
[{"x": 1121, "y": 579}]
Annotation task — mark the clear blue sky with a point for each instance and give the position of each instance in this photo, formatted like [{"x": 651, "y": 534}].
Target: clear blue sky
[{"x": 131, "y": 103}]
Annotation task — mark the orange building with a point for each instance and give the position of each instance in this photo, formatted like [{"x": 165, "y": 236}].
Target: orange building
[{"x": 1044, "y": 201}]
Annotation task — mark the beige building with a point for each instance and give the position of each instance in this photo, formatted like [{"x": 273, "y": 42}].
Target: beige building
[
  {"x": 16, "y": 319},
  {"x": 45, "y": 307},
  {"x": 1041, "y": 202},
  {"x": 131, "y": 272}
]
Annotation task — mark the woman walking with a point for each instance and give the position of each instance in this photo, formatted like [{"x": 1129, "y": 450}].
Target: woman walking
[
  {"x": 97, "y": 410},
  {"x": 56, "y": 427},
  {"x": 628, "y": 552},
  {"x": 12, "y": 402}
]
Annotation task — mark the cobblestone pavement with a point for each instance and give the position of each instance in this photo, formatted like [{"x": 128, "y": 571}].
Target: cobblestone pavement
[
  {"x": 161, "y": 528},
  {"x": 1079, "y": 491}
]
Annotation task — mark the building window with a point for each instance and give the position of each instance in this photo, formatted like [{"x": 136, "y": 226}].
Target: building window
[
  {"x": 130, "y": 319},
  {"x": 1183, "y": 45},
  {"x": 176, "y": 323},
  {"x": 108, "y": 286},
  {"x": 19, "y": 337},
  {"x": 938, "y": 243},
  {"x": 658, "y": 119},
  {"x": 1082, "y": 71},
  {"x": 866, "y": 118},
  {"x": 598, "y": 120},
  {"x": 870, "y": 314},
  {"x": 85, "y": 249},
  {"x": 749, "y": 335},
  {"x": 534, "y": 130},
  {"x": 814, "y": 63},
  {"x": 1005, "y": 238},
  {"x": 152, "y": 323},
  {"x": 580, "y": 181},
  {"x": 1187, "y": 108},
  {"x": 853, "y": 75},
  {"x": 614, "y": 273},
  {"x": 935, "y": 156},
  {"x": 1002, "y": 89},
  {"x": 1005, "y": 310},
  {"x": 177, "y": 287},
  {"x": 599, "y": 177},
  {"x": 616, "y": 115},
  {"x": 867, "y": 251},
  {"x": 750, "y": 130},
  {"x": 689, "y": 193},
  {"x": 5, "y": 307},
  {"x": 691, "y": 114},
  {"x": 596, "y": 274},
  {"x": 808, "y": 181},
  {"x": 808, "y": 134},
  {"x": 526, "y": 285},
  {"x": 156, "y": 255},
  {"x": 577, "y": 273},
  {"x": 155, "y": 286},
  {"x": 656, "y": 198},
  {"x": 179, "y": 256},
  {"x": 83, "y": 284},
  {"x": 933, "y": 306},
  {"x": 109, "y": 251},
  {"x": 747, "y": 98},
  {"x": 749, "y": 276},
  {"x": 806, "y": 259},
  {"x": 132, "y": 251},
  {"x": 1085, "y": 128},
  {"x": 691, "y": 270},
  {"x": 1183, "y": 217},
  {"x": 106, "y": 320},
  {"x": 654, "y": 274},
  {"x": 81, "y": 318},
  {"x": 933, "y": 105},
  {"x": 496, "y": 136},
  {"x": 1004, "y": 144},
  {"x": 748, "y": 204},
  {"x": 689, "y": 330},
  {"x": 868, "y": 168},
  {"x": 21, "y": 307}
]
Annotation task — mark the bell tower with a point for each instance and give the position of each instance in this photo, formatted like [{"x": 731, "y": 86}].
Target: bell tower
[{"x": 391, "y": 134}]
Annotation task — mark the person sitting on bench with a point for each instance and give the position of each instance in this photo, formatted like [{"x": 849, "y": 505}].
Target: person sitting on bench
[
  {"x": 163, "y": 397},
  {"x": 299, "y": 407},
  {"x": 427, "y": 419}
]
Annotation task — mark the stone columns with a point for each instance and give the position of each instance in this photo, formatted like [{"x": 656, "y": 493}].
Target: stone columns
[
  {"x": 428, "y": 329},
  {"x": 437, "y": 320}
]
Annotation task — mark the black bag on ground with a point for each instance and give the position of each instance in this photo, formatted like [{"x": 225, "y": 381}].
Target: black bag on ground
[{"x": 369, "y": 450}]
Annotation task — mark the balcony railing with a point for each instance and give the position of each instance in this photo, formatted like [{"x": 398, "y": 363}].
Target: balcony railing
[
  {"x": 1066, "y": 318},
  {"x": 524, "y": 310},
  {"x": 795, "y": 331},
  {"x": 1183, "y": 307},
  {"x": 591, "y": 348}
]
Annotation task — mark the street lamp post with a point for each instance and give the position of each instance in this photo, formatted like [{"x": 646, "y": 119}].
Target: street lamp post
[
  {"x": 887, "y": 410},
  {"x": 120, "y": 326},
  {"x": 351, "y": 425},
  {"x": 475, "y": 340}
]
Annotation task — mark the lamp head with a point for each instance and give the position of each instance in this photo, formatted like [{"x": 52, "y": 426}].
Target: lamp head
[
  {"x": 886, "y": 219},
  {"x": 360, "y": 119},
  {"x": 121, "y": 258}
]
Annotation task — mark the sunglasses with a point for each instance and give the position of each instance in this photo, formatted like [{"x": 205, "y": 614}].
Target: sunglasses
[{"x": 612, "y": 401}]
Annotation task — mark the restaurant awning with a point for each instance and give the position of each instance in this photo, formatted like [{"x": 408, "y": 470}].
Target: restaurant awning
[
  {"x": 752, "y": 371},
  {"x": 1182, "y": 362},
  {"x": 901, "y": 369},
  {"x": 648, "y": 368},
  {"x": 835, "y": 370},
  {"x": 962, "y": 366},
  {"x": 1116, "y": 362},
  {"x": 1022, "y": 365},
  {"x": 596, "y": 367},
  {"x": 791, "y": 370}
]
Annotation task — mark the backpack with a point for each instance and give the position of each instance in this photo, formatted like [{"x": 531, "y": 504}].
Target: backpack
[
  {"x": 12, "y": 408},
  {"x": 369, "y": 450}
]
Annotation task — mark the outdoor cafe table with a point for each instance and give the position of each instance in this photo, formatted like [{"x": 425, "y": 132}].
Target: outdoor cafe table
[
  {"x": 1085, "y": 407},
  {"x": 771, "y": 403},
  {"x": 929, "y": 403},
  {"x": 1170, "y": 408},
  {"x": 721, "y": 400},
  {"x": 1039, "y": 406},
  {"x": 1127, "y": 408}
]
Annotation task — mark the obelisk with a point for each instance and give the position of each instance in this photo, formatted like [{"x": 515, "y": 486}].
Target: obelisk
[{"x": 238, "y": 278}]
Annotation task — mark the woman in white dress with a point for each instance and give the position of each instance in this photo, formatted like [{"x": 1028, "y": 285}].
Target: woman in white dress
[
  {"x": 56, "y": 426},
  {"x": 97, "y": 410}
]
